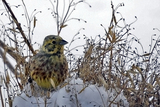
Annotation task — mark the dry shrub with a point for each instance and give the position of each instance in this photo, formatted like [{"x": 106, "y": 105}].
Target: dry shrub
[
  {"x": 113, "y": 62},
  {"x": 109, "y": 60}
]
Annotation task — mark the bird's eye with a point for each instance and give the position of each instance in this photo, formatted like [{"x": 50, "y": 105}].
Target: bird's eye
[{"x": 54, "y": 42}]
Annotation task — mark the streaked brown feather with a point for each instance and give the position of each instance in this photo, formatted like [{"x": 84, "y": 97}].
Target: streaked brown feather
[{"x": 49, "y": 66}]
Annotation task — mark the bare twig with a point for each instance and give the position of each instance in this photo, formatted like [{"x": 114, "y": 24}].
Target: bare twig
[
  {"x": 6, "y": 61},
  {"x": 1, "y": 97},
  {"x": 10, "y": 51},
  {"x": 18, "y": 26}
]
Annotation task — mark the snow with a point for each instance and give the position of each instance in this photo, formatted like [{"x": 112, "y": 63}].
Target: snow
[{"x": 74, "y": 94}]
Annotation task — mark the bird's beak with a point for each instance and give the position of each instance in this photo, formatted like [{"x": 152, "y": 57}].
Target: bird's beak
[{"x": 63, "y": 42}]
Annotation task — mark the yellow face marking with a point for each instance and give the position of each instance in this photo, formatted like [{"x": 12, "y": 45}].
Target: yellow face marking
[{"x": 53, "y": 45}]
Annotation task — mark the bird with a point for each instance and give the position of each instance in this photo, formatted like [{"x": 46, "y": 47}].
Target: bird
[{"x": 49, "y": 67}]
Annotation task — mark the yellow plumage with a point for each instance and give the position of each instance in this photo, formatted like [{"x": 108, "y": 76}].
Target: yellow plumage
[{"x": 49, "y": 67}]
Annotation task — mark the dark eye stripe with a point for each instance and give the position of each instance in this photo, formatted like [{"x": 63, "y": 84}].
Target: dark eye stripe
[{"x": 47, "y": 44}]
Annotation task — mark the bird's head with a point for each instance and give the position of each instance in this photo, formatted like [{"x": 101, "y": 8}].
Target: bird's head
[{"x": 53, "y": 44}]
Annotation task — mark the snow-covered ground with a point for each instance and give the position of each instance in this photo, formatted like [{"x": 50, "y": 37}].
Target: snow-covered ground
[{"x": 74, "y": 94}]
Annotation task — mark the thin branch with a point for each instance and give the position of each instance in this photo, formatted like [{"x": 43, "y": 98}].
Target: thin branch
[
  {"x": 19, "y": 26},
  {"x": 57, "y": 17},
  {"x": 65, "y": 17},
  {"x": 1, "y": 97},
  {"x": 9, "y": 50},
  {"x": 6, "y": 61}
]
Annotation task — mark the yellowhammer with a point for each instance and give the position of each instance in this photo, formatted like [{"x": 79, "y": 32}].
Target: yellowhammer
[{"x": 49, "y": 67}]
